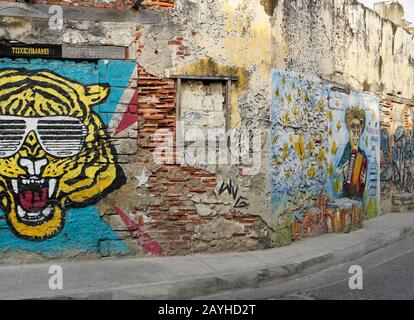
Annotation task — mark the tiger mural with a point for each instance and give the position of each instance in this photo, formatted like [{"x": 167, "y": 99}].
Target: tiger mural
[{"x": 54, "y": 150}]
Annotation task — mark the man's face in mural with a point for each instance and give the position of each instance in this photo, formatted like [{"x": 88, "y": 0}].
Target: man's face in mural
[
  {"x": 54, "y": 152},
  {"x": 355, "y": 132}
]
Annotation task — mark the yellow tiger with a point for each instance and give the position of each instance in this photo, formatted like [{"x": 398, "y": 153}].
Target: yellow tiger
[{"x": 54, "y": 150}]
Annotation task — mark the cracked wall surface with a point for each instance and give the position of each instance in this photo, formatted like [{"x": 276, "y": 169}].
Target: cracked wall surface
[
  {"x": 344, "y": 42},
  {"x": 220, "y": 64}
]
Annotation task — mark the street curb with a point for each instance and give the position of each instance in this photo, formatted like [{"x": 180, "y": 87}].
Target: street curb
[{"x": 249, "y": 277}]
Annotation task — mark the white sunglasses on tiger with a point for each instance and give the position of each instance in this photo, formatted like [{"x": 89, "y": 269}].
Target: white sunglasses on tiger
[{"x": 59, "y": 136}]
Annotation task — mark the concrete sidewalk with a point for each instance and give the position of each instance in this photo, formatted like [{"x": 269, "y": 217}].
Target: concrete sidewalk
[{"x": 192, "y": 276}]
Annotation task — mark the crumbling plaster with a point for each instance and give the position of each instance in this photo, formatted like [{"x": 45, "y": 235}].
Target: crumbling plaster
[
  {"x": 223, "y": 38},
  {"x": 345, "y": 42},
  {"x": 340, "y": 40}
]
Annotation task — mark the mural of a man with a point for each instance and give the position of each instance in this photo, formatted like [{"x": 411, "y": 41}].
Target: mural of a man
[
  {"x": 398, "y": 157},
  {"x": 353, "y": 164}
]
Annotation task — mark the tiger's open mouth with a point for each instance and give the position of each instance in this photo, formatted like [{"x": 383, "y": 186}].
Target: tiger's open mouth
[{"x": 34, "y": 199}]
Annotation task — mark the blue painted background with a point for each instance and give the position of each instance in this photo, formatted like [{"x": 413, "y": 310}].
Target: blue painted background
[
  {"x": 84, "y": 231},
  {"x": 307, "y": 107}
]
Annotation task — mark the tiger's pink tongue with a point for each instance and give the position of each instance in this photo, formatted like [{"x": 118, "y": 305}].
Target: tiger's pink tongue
[{"x": 33, "y": 200}]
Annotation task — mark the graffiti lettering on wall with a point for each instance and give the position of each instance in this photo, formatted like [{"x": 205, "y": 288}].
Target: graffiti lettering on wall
[
  {"x": 324, "y": 156},
  {"x": 232, "y": 189},
  {"x": 56, "y": 158},
  {"x": 397, "y": 155}
]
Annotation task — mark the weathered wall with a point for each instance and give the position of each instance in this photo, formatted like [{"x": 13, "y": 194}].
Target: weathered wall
[
  {"x": 82, "y": 217},
  {"x": 315, "y": 132},
  {"x": 344, "y": 42},
  {"x": 110, "y": 4},
  {"x": 183, "y": 208},
  {"x": 296, "y": 70}
]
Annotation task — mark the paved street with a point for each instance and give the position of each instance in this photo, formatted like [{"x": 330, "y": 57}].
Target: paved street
[{"x": 388, "y": 274}]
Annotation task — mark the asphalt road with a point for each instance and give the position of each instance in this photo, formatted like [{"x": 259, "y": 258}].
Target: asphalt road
[{"x": 387, "y": 274}]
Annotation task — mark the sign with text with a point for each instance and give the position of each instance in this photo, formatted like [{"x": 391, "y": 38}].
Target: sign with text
[{"x": 30, "y": 51}]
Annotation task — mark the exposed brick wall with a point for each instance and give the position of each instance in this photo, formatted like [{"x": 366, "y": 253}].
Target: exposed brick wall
[
  {"x": 181, "y": 50},
  {"x": 175, "y": 219},
  {"x": 156, "y": 5}
]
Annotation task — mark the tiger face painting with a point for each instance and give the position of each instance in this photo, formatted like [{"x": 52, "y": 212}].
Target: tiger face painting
[{"x": 54, "y": 150}]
